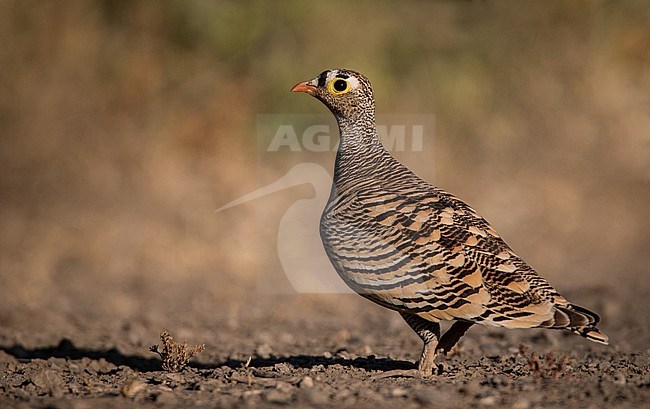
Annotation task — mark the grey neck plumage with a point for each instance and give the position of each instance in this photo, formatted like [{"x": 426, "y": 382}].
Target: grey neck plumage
[{"x": 361, "y": 157}]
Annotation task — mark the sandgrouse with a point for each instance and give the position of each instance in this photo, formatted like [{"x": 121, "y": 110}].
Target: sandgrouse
[{"x": 416, "y": 249}]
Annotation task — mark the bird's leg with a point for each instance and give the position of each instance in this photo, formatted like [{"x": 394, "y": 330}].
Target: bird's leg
[
  {"x": 429, "y": 332},
  {"x": 453, "y": 334}
]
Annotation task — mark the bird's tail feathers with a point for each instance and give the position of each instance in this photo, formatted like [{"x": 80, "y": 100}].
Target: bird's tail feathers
[
  {"x": 594, "y": 334},
  {"x": 579, "y": 320},
  {"x": 593, "y": 317}
]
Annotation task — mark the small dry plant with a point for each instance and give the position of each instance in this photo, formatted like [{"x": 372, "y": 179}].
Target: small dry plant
[
  {"x": 547, "y": 365},
  {"x": 175, "y": 356}
]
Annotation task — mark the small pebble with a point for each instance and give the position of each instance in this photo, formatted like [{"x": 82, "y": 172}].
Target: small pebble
[
  {"x": 399, "y": 392},
  {"x": 307, "y": 382},
  {"x": 488, "y": 401},
  {"x": 50, "y": 382}
]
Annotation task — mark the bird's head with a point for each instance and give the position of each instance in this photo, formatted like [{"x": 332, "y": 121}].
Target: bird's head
[{"x": 346, "y": 93}]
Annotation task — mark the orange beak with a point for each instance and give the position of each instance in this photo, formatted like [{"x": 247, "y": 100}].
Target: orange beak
[{"x": 304, "y": 87}]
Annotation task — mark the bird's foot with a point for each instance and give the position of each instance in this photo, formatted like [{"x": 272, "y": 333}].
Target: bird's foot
[{"x": 427, "y": 368}]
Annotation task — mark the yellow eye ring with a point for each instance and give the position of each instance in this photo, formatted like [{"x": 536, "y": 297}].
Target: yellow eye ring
[{"x": 338, "y": 86}]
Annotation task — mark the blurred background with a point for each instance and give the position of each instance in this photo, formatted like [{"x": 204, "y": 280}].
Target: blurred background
[{"x": 124, "y": 124}]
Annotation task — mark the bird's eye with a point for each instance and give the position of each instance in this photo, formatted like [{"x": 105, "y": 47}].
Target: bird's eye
[{"x": 338, "y": 86}]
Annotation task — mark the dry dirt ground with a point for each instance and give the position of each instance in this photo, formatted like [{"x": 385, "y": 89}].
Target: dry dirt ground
[{"x": 309, "y": 351}]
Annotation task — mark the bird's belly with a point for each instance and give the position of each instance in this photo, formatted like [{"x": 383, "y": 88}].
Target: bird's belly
[{"x": 374, "y": 266}]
